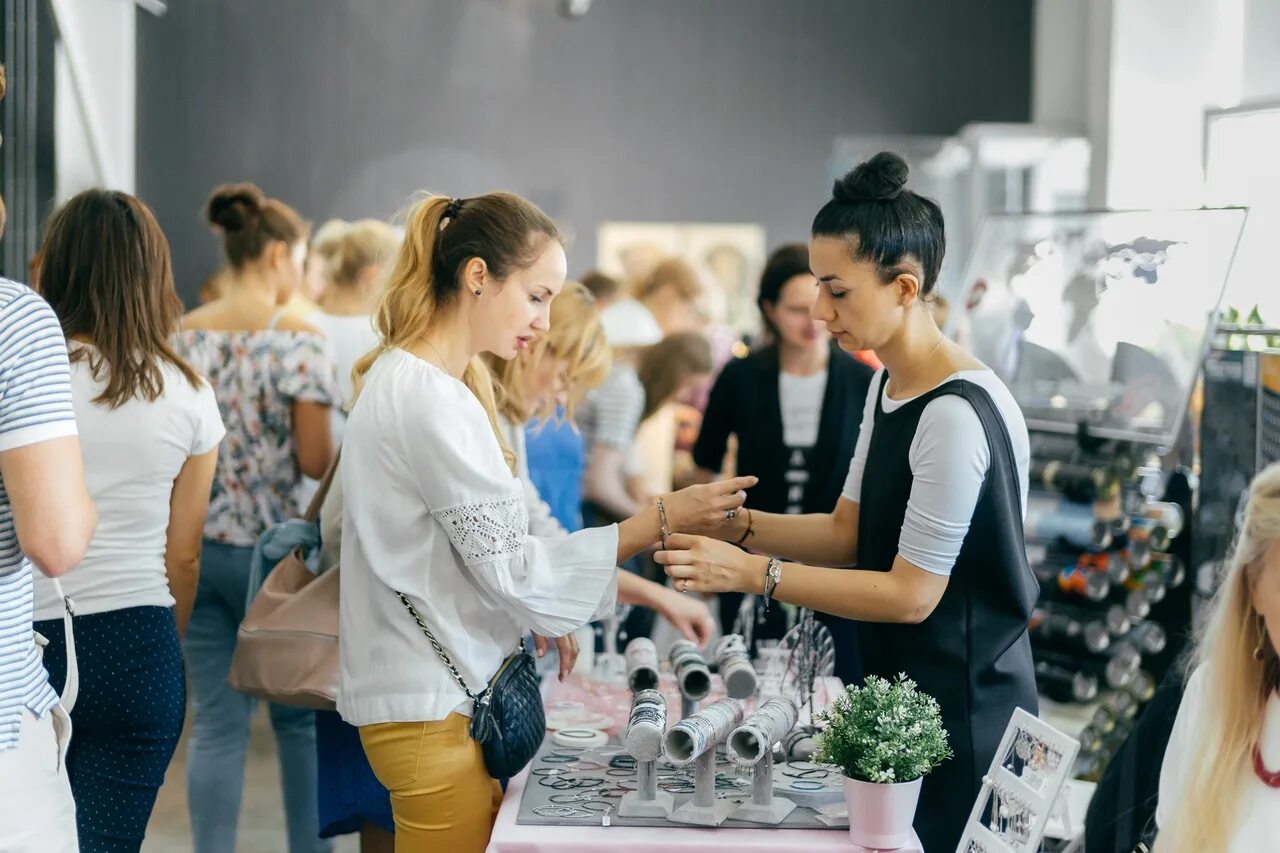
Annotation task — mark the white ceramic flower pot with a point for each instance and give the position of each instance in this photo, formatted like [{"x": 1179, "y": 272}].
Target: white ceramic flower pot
[{"x": 880, "y": 815}]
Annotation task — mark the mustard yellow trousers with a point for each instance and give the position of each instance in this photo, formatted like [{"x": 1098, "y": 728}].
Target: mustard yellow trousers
[{"x": 441, "y": 795}]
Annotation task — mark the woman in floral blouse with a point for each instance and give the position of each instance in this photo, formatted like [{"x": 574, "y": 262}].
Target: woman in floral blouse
[{"x": 275, "y": 385}]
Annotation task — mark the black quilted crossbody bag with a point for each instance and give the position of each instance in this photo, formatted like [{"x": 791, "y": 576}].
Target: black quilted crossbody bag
[{"x": 508, "y": 720}]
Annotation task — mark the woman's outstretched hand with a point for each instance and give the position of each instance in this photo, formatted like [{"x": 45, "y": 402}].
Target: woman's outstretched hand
[
  {"x": 688, "y": 615},
  {"x": 567, "y": 646},
  {"x": 709, "y": 509},
  {"x": 699, "y": 564}
]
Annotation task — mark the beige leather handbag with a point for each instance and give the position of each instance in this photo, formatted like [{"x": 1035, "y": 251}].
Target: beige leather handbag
[{"x": 287, "y": 645}]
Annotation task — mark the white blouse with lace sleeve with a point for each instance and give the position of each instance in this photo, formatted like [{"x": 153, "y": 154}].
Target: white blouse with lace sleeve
[{"x": 430, "y": 509}]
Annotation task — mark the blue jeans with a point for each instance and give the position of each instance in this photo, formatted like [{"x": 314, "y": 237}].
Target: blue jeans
[{"x": 220, "y": 730}]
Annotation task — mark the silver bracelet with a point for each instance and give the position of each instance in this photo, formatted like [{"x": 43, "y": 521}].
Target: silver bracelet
[
  {"x": 772, "y": 576},
  {"x": 663, "y": 530}
]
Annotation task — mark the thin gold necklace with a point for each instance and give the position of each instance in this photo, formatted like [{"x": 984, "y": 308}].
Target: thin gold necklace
[
  {"x": 923, "y": 361},
  {"x": 444, "y": 363}
]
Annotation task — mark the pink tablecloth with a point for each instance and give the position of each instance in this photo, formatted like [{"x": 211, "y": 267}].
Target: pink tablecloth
[{"x": 511, "y": 837}]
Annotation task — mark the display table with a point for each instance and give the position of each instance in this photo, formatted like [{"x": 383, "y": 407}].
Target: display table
[{"x": 510, "y": 836}]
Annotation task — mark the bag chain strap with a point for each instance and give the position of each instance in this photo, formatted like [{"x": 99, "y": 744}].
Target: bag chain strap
[{"x": 483, "y": 698}]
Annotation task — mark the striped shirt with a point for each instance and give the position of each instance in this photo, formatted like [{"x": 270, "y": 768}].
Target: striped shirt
[
  {"x": 611, "y": 413},
  {"x": 35, "y": 406}
]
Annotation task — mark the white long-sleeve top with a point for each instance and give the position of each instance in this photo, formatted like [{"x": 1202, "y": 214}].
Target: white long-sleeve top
[{"x": 430, "y": 509}]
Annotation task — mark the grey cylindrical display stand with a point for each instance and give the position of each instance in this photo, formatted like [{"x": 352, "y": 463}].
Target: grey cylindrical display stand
[
  {"x": 692, "y": 673},
  {"x": 764, "y": 807},
  {"x": 644, "y": 741},
  {"x": 704, "y": 809},
  {"x": 642, "y": 665},
  {"x": 751, "y": 744},
  {"x": 646, "y": 800},
  {"x": 695, "y": 739},
  {"x": 734, "y": 665}
]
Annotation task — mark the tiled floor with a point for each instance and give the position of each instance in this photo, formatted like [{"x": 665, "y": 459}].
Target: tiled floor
[{"x": 261, "y": 814}]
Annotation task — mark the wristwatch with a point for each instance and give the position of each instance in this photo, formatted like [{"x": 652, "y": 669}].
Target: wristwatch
[{"x": 772, "y": 576}]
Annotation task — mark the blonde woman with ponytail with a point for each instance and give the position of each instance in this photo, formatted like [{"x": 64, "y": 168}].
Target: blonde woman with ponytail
[
  {"x": 354, "y": 259},
  {"x": 433, "y": 511},
  {"x": 1220, "y": 782},
  {"x": 556, "y": 371}
]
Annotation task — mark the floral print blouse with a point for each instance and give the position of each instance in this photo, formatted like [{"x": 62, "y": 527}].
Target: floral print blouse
[{"x": 257, "y": 376}]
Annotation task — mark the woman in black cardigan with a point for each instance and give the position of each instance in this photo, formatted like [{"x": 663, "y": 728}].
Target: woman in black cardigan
[{"x": 794, "y": 406}]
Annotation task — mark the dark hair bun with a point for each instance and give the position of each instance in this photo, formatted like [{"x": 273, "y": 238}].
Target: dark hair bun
[
  {"x": 879, "y": 179},
  {"x": 232, "y": 206}
]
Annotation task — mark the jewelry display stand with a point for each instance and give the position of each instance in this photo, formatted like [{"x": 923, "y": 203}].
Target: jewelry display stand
[
  {"x": 692, "y": 674},
  {"x": 734, "y": 665},
  {"x": 704, "y": 809},
  {"x": 764, "y": 807},
  {"x": 695, "y": 738},
  {"x": 644, "y": 742},
  {"x": 646, "y": 800},
  {"x": 610, "y": 666},
  {"x": 751, "y": 745}
]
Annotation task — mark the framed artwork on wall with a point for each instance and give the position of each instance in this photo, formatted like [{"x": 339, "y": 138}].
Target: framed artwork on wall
[{"x": 728, "y": 255}]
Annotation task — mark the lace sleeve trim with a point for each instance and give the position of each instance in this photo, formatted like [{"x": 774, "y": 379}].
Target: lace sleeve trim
[{"x": 486, "y": 530}]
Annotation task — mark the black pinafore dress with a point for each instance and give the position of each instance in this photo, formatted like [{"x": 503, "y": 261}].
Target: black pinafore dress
[{"x": 972, "y": 653}]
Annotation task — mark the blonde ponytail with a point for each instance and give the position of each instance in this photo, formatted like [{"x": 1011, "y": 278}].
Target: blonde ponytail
[{"x": 500, "y": 228}]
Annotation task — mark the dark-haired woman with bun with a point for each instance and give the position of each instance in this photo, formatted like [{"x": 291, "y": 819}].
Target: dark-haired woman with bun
[
  {"x": 931, "y": 513},
  {"x": 276, "y": 386},
  {"x": 794, "y": 405}
]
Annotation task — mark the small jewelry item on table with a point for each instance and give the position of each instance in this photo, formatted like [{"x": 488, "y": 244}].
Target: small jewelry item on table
[{"x": 587, "y": 738}]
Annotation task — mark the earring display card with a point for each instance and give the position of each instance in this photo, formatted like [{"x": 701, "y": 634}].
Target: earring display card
[{"x": 1019, "y": 791}]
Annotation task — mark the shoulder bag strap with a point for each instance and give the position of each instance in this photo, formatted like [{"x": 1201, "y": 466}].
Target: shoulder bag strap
[
  {"x": 483, "y": 697},
  {"x": 317, "y": 500},
  {"x": 435, "y": 644}
]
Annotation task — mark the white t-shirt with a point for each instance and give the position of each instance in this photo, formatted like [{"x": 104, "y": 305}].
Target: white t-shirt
[
  {"x": 800, "y": 401},
  {"x": 348, "y": 338},
  {"x": 430, "y": 509},
  {"x": 131, "y": 456},
  {"x": 949, "y": 458},
  {"x": 800, "y": 398},
  {"x": 1258, "y": 810}
]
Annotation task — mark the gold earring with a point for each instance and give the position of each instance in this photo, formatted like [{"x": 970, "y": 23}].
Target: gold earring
[{"x": 1262, "y": 639}]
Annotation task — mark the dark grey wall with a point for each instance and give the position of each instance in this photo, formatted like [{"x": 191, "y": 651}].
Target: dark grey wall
[{"x": 693, "y": 110}]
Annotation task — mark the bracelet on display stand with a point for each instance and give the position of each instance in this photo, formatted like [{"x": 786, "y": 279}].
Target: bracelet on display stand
[{"x": 750, "y": 528}]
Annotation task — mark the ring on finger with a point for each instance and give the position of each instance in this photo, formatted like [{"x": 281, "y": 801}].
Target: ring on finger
[
  {"x": 684, "y": 584},
  {"x": 730, "y": 514}
]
